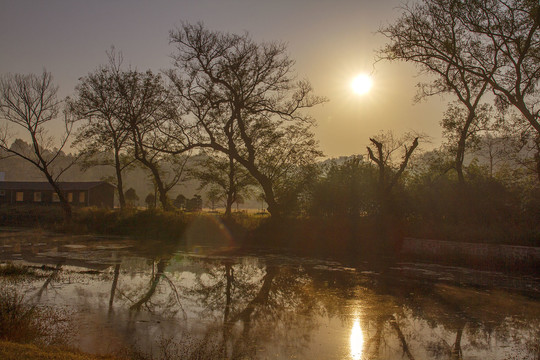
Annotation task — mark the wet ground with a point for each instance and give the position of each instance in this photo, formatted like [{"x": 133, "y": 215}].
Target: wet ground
[{"x": 213, "y": 302}]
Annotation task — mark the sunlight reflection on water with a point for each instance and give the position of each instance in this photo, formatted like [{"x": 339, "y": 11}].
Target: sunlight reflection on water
[
  {"x": 357, "y": 340},
  {"x": 150, "y": 297}
]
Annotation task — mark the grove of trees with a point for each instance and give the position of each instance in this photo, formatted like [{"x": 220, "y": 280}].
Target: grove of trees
[{"x": 236, "y": 104}]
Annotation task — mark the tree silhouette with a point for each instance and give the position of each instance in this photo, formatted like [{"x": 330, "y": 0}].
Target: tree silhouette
[
  {"x": 131, "y": 197},
  {"x": 30, "y": 102},
  {"x": 471, "y": 45},
  {"x": 243, "y": 101},
  {"x": 97, "y": 102},
  {"x": 150, "y": 201},
  {"x": 226, "y": 179}
]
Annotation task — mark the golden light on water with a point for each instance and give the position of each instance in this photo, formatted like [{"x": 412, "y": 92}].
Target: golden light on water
[{"x": 357, "y": 341}]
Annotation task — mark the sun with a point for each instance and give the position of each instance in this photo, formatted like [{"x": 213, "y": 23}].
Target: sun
[{"x": 362, "y": 84}]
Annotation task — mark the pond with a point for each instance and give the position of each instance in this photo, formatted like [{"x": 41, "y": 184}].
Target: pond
[{"x": 203, "y": 302}]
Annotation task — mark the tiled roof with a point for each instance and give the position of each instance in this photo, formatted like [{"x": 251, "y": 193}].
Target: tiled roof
[{"x": 45, "y": 186}]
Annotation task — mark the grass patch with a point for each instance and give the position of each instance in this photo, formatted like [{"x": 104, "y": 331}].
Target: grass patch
[
  {"x": 14, "y": 351},
  {"x": 24, "y": 322}
]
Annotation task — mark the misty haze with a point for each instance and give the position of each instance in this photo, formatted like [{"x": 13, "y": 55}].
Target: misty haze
[{"x": 285, "y": 180}]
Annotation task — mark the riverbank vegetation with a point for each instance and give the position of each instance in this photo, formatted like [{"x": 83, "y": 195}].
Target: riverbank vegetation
[
  {"x": 23, "y": 321},
  {"x": 32, "y": 331},
  {"x": 340, "y": 208}
]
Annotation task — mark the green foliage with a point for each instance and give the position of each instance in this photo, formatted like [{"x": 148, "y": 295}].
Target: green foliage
[
  {"x": 348, "y": 189},
  {"x": 97, "y": 220},
  {"x": 157, "y": 224}
]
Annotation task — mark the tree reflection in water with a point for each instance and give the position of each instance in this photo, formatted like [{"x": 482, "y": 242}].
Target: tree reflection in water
[
  {"x": 272, "y": 307},
  {"x": 50, "y": 278},
  {"x": 259, "y": 304},
  {"x": 255, "y": 308}
]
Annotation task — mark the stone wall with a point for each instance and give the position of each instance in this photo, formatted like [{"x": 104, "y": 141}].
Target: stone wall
[{"x": 521, "y": 257}]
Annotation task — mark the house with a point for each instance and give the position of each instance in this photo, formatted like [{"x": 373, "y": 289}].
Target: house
[{"x": 91, "y": 193}]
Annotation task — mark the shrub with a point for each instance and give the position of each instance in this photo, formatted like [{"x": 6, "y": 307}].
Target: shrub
[
  {"x": 24, "y": 322},
  {"x": 30, "y": 215},
  {"x": 12, "y": 270}
]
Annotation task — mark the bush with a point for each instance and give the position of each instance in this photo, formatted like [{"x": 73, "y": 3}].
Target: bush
[
  {"x": 23, "y": 322},
  {"x": 12, "y": 270},
  {"x": 30, "y": 215}
]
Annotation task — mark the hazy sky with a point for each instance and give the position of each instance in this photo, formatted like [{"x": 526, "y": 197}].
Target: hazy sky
[{"x": 331, "y": 41}]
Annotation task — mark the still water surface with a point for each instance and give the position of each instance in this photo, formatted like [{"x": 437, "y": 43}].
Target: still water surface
[{"x": 206, "y": 303}]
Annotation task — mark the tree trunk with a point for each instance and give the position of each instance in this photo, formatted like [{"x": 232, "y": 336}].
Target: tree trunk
[
  {"x": 266, "y": 183},
  {"x": 260, "y": 299},
  {"x": 119, "y": 181},
  {"x": 401, "y": 337},
  {"x": 229, "y": 276},
  {"x": 68, "y": 215},
  {"x": 273, "y": 207},
  {"x": 537, "y": 154},
  {"x": 460, "y": 151},
  {"x": 159, "y": 184},
  {"x": 232, "y": 189},
  {"x": 163, "y": 194}
]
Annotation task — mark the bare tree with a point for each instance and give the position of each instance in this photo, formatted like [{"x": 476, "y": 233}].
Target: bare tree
[
  {"x": 146, "y": 108},
  {"x": 242, "y": 99},
  {"x": 491, "y": 42},
  {"x": 429, "y": 36},
  {"x": 520, "y": 145},
  {"x": 463, "y": 128},
  {"x": 30, "y": 102},
  {"x": 383, "y": 155},
  {"x": 505, "y": 51},
  {"x": 97, "y": 102}
]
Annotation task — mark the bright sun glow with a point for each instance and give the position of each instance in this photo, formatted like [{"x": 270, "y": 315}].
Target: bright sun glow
[
  {"x": 357, "y": 341},
  {"x": 362, "y": 84}
]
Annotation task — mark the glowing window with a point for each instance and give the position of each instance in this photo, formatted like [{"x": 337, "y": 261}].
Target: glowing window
[
  {"x": 70, "y": 197},
  {"x": 82, "y": 197},
  {"x": 19, "y": 196}
]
